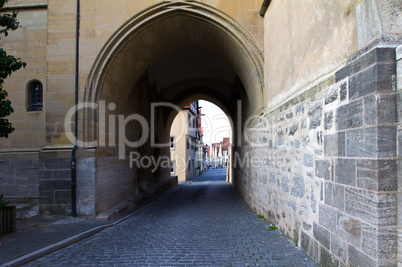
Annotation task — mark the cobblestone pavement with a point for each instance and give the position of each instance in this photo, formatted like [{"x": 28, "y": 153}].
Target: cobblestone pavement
[{"x": 203, "y": 224}]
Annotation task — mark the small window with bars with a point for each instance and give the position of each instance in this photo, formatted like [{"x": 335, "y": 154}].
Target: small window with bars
[{"x": 35, "y": 96}]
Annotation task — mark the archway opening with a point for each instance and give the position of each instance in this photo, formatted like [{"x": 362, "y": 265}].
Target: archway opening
[{"x": 200, "y": 139}]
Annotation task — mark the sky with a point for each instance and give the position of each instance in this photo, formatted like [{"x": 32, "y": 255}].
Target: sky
[{"x": 215, "y": 123}]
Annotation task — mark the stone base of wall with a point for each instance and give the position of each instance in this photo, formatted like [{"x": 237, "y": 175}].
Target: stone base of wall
[
  {"x": 55, "y": 182},
  {"x": 26, "y": 207},
  {"x": 129, "y": 204},
  {"x": 19, "y": 174},
  {"x": 40, "y": 182},
  {"x": 43, "y": 177}
]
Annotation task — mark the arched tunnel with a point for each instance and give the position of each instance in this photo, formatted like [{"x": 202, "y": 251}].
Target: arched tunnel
[{"x": 163, "y": 58}]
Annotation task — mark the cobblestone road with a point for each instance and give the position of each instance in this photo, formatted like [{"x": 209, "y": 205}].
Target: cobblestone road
[{"x": 203, "y": 224}]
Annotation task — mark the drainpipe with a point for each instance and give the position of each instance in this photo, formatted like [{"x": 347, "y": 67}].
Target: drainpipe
[{"x": 73, "y": 152}]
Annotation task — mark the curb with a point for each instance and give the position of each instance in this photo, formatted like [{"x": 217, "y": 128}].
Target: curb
[{"x": 74, "y": 239}]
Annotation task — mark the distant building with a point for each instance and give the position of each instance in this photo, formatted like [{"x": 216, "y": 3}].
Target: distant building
[
  {"x": 220, "y": 153},
  {"x": 185, "y": 158},
  {"x": 225, "y": 151},
  {"x": 207, "y": 155},
  {"x": 215, "y": 150},
  {"x": 199, "y": 163}
]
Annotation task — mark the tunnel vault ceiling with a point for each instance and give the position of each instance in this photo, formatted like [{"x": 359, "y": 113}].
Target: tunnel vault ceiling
[
  {"x": 182, "y": 46},
  {"x": 190, "y": 67}
]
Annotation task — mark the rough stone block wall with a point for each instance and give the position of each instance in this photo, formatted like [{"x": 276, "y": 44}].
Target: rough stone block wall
[
  {"x": 399, "y": 141},
  {"x": 19, "y": 176},
  {"x": 324, "y": 166},
  {"x": 41, "y": 176},
  {"x": 370, "y": 198},
  {"x": 44, "y": 177},
  {"x": 55, "y": 182}
]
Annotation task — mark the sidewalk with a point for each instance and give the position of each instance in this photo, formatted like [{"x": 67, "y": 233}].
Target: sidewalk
[
  {"x": 43, "y": 231},
  {"x": 43, "y": 234}
]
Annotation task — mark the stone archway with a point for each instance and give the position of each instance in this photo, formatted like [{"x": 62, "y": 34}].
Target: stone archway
[{"x": 212, "y": 53}]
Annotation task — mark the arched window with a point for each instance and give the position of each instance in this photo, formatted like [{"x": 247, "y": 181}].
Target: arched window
[{"x": 35, "y": 96}]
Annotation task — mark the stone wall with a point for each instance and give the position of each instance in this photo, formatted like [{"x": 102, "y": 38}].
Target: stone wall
[
  {"x": 309, "y": 39},
  {"x": 115, "y": 182},
  {"x": 55, "y": 182},
  {"x": 329, "y": 169},
  {"x": 44, "y": 176},
  {"x": 28, "y": 43},
  {"x": 399, "y": 142},
  {"x": 19, "y": 175},
  {"x": 86, "y": 184}
]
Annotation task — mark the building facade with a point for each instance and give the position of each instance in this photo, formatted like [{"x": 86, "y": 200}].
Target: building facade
[
  {"x": 185, "y": 141},
  {"x": 313, "y": 90},
  {"x": 220, "y": 153}
]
